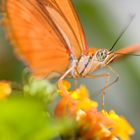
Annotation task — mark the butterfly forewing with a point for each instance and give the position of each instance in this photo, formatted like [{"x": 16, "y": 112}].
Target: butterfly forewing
[
  {"x": 66, "y": 11},
  {"x": 38, "y": 36},
  {"x": 126, "y": 51}
]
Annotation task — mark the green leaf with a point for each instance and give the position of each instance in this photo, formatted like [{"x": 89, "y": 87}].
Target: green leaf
[{"x": 23, "y": 118}]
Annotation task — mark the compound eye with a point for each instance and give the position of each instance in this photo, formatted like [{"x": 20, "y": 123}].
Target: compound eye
[{"x": 101, "y": 55}]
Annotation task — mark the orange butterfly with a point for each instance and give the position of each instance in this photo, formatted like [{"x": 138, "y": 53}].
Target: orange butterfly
[{"x": 48, "y": 36}]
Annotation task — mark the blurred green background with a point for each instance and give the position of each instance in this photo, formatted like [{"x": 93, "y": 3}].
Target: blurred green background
[{"x": 102, "y": 20}]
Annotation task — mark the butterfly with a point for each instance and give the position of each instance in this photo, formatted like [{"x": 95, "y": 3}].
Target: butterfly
[{"x": 48, "y": 37}]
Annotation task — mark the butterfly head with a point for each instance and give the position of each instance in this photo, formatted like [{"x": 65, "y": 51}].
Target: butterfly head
[{"x": 103, "y": 57}]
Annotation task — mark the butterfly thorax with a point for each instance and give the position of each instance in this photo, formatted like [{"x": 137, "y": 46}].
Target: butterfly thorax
[{"x": 89, "y": 63}]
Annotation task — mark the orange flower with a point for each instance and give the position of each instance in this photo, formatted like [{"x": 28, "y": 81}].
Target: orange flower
[
  {"x": 91, "y": 123},
  {"x": 74, "y": 101},
  {"x": 5, "y": 89}
]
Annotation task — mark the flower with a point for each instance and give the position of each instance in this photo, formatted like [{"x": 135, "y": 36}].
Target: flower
[
  {"x": 120, "y": 126},
  {"x": 74, "y": 101},
  {"x": 5, "y": 89},
  {"x": 91, "y": 123}
]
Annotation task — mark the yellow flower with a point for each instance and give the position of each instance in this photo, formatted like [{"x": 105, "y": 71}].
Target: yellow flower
[
  {"x": 5, "y": 89},
  {"x": 74, "y": 100},
  {"x": 120, "y": 127},
  {"x": 91, "y": 123}
]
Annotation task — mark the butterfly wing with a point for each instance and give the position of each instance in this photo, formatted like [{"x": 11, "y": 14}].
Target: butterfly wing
[
  {"x": 126, "y": 51},
  {"x": 39, "y": 39},
  {"x": 61, "y": 12}
]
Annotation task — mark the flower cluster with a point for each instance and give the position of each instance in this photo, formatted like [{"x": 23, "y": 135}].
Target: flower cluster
[{"x": 91, "y": 123}]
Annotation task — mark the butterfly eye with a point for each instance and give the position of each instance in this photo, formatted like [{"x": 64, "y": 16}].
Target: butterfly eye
[{"x": 101, "y": 55}]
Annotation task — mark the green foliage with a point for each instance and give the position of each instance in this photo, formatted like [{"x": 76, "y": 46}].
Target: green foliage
[
  {"x": 40, "y": 88},
  {"x": 24, "y": 115}
]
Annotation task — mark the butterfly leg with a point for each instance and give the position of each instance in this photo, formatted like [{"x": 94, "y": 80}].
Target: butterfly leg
[
  {"x": 75, "y": 83},
  {"x": 60, "y": 81},
  {"x": 98, "y": 76},
  {"x": 114, "y": 81},
  {"x": 103, "y": 90},
  {"x": 107, "y": 76},
  {"x": 107, "y": 84}
]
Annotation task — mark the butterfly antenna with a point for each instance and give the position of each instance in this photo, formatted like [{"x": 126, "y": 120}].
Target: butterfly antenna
[{"x": 121, "y": 34}]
